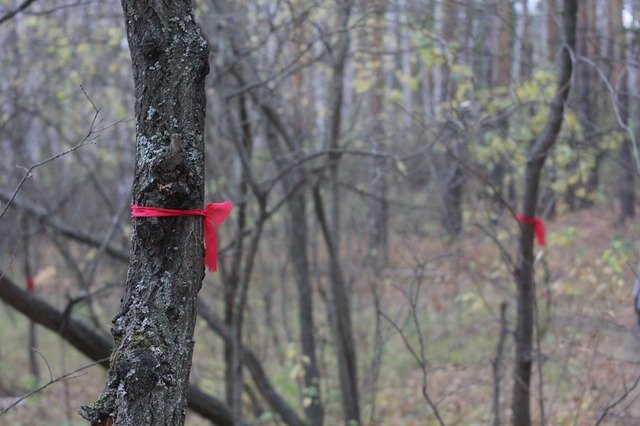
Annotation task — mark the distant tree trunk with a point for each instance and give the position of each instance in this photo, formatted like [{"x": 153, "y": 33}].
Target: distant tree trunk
[
  {"x": 524, "y": 271},
  {"x": 552, "y": 40},
  {"x": 298, "y": 253},
  {"x": 501, "y": 78},
  {"x": 32, "y": 345},
  {"x": 548, "y": 197},
  {"x": 448, "y": 169},
  {"x": 482, "y": 61},
  {"x": 234, "y": 279},
  {"x": 621, "y": 75},
  {"x": 380, "y": 207},
  {"x": 314, "y": 411},
  {"x": 522, "y": 71},
  {"x": 402, "y": 13},
  {"x": 150, "y": 365},
  {"x": 627, "y": 164},
  {"x": 584, "y": 102},
  {"x": 340, "y": 310},
  {"x": 246, "y": 74},
  {"x": 522, "y": 64}
]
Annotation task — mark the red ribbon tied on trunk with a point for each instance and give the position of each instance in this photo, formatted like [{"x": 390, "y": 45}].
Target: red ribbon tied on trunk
[
  {"x": 214, "y": 215},
  {"x": 538, "y": 226}
]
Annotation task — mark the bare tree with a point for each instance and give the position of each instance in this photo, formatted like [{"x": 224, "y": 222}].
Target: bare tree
[
  {"x": 585, "y": 102},
  {"x": 524, "y": 270},
  {"x": 380, "y": 205},
  {"x": 622, "y": 78},
  {"x": 339, "y": 306},
  {"x": 448, "y": 168},
  {"x": 148, "y": 377}
]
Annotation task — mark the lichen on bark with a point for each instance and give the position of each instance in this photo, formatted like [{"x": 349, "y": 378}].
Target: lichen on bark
[{"x": 148, "y": 376}]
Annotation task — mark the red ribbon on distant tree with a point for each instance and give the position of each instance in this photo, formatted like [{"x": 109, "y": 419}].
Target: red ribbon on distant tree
[
  {"x": 538, "y": 226},
  {"x": 31, "y": 283},
  {"x": 214, "y": 215}
]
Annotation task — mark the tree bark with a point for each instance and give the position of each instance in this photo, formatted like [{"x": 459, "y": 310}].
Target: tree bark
[
  {"x": 524, "y": 271},
  {"x": 148, "y": 379}
]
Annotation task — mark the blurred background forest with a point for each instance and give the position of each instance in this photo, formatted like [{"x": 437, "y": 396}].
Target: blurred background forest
[{"x": 375, "y": 151}]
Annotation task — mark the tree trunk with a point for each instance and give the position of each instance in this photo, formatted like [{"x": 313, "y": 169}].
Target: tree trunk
[
  {"x": 620, "y": 55},
  {"x": 524, "y": 271},
  {"x": 627, "y": 166},
  {"x": 380, "y": 205},
  {"x": 449, "y": 169},
  {"x": 32, "y": 345},
  {"x": 585, "y": 101},
  {"x": 501, "y": 78},
  {"x": 340, "y": 309},
  {"x": 340, "y": 321},
  {"x": 298, "y": 253},
  {"x": 551, "y": 27},
  {"x": 148, "y": 377}
]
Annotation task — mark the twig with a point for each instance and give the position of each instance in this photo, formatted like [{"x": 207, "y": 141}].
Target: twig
[
  {"x": 420, "y": 360},
  {"x": 617, "y": 401},
  {"x": 71, "y": 375},
  {"x": 87, "y": 139},
  {"x": 46, "y": 362}
]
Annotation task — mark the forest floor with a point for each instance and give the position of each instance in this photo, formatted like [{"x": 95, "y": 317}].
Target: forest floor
[{"x": 445, "y": 297}]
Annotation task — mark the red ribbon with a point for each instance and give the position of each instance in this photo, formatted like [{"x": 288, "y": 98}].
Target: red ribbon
[
  {"x": 31, "y": 283},
  {"x": 538, "y": 226},
  {"x": 214, "y": 215}
]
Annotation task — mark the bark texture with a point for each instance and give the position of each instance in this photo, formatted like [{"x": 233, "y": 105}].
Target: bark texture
[
  {"x": 524, "y": 271},
  {"x": 149, "y": 373}
]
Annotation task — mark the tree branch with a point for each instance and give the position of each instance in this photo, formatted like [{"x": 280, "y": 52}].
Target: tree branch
[{"x": 15, "y": 11}]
